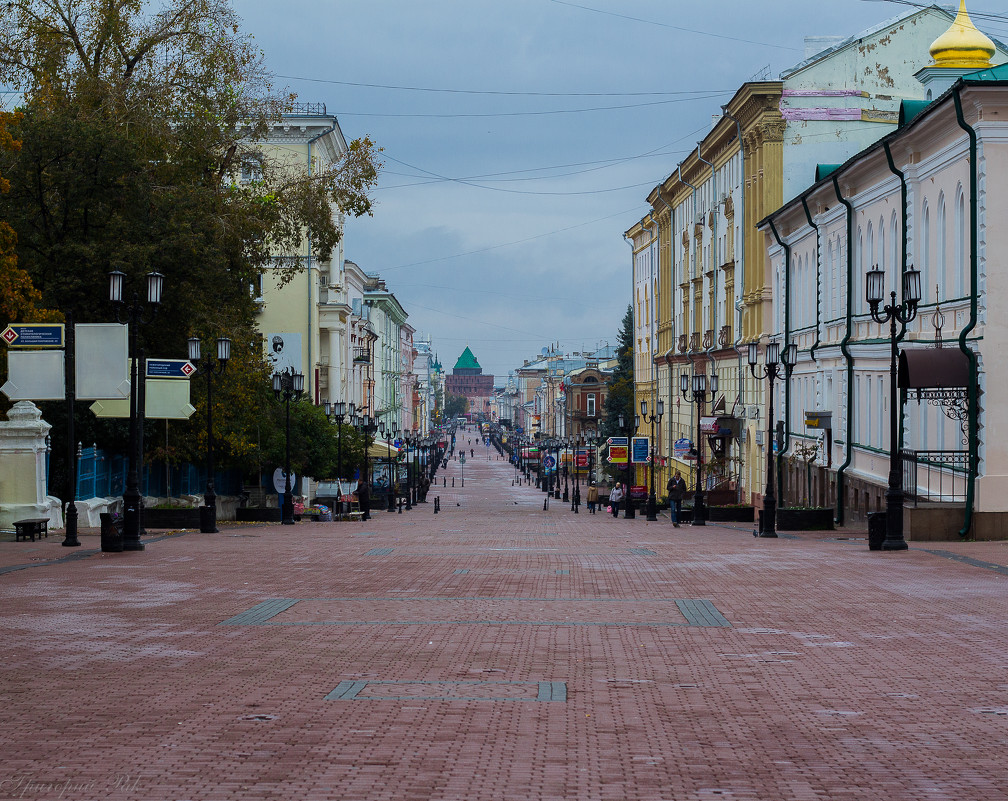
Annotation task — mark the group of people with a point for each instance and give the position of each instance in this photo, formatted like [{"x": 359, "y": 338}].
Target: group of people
[{"x": 676, "y": 492}]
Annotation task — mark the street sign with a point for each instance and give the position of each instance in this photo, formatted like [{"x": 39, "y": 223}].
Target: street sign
[
  {"x": 280, "y": 480},
  {"x": 34, "y": 335},
  {"x": 618, "y": 454},
  {"x": 169, "y": 368},
  {"x": 102, "y": 356},
  {"x": 581, "y": 460},
  {"x": 549, "y": 462},
  {"x": 681, "y": 448},
  {"x": 35, "y": 375},
  {"x": 618, "y": 441},
  {"x": 166, "y": 399},
  {"x": 641, "y": 452}
]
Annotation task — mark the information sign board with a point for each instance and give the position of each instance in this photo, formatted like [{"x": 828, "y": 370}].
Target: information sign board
[
  {"x": 34, "y": 335},
  {"x": 169, "y": 368},
  {"x": 618, "y": 454},
  {"x": 641, "y": 453},
  {"x": 618, "y": 441}
]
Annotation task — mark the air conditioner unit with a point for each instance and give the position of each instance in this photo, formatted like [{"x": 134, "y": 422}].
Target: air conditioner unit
[{"x": 752, "y": 412}]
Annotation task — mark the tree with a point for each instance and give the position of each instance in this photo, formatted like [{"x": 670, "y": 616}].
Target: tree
[
  {"x": 135, "y": 124},
  {"x": 455, "y": 405},
  {"x": 620, "y": 386}
]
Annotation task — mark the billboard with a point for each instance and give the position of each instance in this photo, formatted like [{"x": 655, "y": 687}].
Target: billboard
[{"x": 283, "y": 350}]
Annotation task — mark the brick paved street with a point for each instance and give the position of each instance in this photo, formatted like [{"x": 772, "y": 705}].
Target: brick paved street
[{"x": 499, "y": 651}]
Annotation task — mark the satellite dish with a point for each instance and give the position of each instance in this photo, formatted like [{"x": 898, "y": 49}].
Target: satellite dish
[{"x": 544, "y": 352}]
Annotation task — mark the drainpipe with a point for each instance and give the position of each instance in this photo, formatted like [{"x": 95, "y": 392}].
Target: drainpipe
[
  {"x": 787, "y": 337},
  {"x": 903, "y": 265},
  {"x": 845, "y": 349},
  {"x": 689, "y": 351},
  {"x": 974, "y": 445},
  {"x": 818, "y": 276}
]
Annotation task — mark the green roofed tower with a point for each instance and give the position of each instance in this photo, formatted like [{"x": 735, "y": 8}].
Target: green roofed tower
[{"x": 467, "y": 380}]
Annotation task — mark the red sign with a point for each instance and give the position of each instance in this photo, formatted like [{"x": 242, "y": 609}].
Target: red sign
[
  {"x": 582, "y": 460},
  {"x": 638, "y": 492}
]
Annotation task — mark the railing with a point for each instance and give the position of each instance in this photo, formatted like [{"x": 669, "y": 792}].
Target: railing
[
  {"x": 708, "y": 338},
  {"x": 694, "y": 341},
  {"x": 724, "y": 336},
  {"x": 682, "y": 343},
  {"x": 308, "y": 110},
  {"x": 935, "y": 476},
  {"x": 362, "y": 355}
]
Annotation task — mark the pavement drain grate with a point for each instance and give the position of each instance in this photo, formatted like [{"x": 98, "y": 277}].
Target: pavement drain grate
[
  {"x": 461, "y": 571},
  {"x": 260, "y": 613},
  {"x": 350, "y": 690},
  {"x": 643, "y": 552},
  {"x": 969, "y": 560},
  {"x": 563, "y": 572},
  {"x": 379, "y": 552},
  {"x": 701, "y": 613},
  {"x": 362, "y": 534}
]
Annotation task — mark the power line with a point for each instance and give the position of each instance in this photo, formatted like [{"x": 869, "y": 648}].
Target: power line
[
  {"x": 481, "y": 115},
  {"x": 490, "y": 91},
  {"x": 675, "y": 27}
]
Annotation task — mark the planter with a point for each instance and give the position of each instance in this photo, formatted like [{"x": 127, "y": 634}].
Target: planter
[
  {"x": 730, "y": 514},
  {"x": 171, "y": 518},
  {"x": 805, "y": 519},
  {"x": 258, "y": 514}
]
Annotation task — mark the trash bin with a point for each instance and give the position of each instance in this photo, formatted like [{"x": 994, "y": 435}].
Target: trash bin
[
  {"x": 876, "y": 530},
  {"x": 111, "y": 533},
  {"x": 208, "y": 519}
]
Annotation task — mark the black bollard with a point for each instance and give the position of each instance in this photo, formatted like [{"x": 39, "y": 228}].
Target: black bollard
[
  {"x": 453, "y": 482},
  {"x": 444, "y": 481},
  {"x": 400, "y": 504},
  {"x": 437, "y": 504}
]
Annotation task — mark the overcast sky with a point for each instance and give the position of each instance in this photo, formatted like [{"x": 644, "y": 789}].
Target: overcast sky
[{"x": 522, "y": 137}]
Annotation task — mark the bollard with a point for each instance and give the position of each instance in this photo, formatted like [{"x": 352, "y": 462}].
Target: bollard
[
  {"x": 400, "y": 504},
  {"x": 453, "y": 482},
  {"x": 437, "y": 504},
  {"x": 444, "y": 481}
]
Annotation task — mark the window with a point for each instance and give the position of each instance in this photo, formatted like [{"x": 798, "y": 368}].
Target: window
[
  {"x": 591, "y": 404},
  {"x": 960, "y": 244},
  {"x": 940, "y": 278},
  {"x": 251, "y": 170}
]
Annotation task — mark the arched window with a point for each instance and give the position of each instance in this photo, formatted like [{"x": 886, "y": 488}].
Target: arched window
[
  {"x": 924, "y": 248},
  {"x": 940, "y": 260},
  {"x": 896, "y": 252},
  {"x": 960, "y": 243},
  {"x": 859, "y": 261},
  {"x": 831, "y": 267}
]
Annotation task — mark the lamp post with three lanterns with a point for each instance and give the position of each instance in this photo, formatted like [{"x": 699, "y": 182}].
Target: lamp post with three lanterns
[
  {"x": 652, "y": 502},
  {"x": 699, "y": 394},
  {"x": 771, "y": 371},
  {"x": 893, "y": 313}
]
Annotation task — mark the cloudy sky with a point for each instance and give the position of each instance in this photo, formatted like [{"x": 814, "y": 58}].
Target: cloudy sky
[{"x": 521, "y": 138}]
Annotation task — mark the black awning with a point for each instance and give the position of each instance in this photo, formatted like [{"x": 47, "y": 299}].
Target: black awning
[{"x": 928, "y": 368}]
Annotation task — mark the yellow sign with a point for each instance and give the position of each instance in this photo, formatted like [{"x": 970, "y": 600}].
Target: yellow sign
[{"x": 619, "y": 454}]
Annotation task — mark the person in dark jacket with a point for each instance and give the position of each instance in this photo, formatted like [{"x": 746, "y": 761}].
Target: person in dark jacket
[{"x": 676, "y": 492}]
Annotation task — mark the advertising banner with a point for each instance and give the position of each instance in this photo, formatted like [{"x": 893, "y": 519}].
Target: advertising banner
[{"x": 641, "y": 450}]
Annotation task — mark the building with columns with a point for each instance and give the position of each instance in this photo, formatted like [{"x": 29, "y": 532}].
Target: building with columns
[
  {"x": 930, "y": 195},
  {"x": 701, "y": 286}
]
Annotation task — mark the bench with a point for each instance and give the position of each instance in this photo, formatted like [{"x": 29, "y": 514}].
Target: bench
[{"x": 31, "y": 527}]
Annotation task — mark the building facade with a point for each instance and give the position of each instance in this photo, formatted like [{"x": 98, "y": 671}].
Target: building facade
[{"x": 467, "y": 381}]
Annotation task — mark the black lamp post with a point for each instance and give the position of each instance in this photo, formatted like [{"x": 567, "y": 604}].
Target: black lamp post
[
  {"x": 367, "y": 427},
  {"x": 652, "y": 502},
  {"x": 557, "y": 445},
  {"x": 892, "y": 313},
  {"x": 132, "y": 315},
  {"x": 771, "y": 371},
  {"x": 392, "y": 472},
  {"x": 288, "y": 386},
  {"x": 630, "y": 513},
  {"x": 208, "y": 366},
  {"x": 338, "y": 410},
  {"x": 407, "y": 439},
  {"x": 699, "y": 394},
  {"x": 566, "y": 442},
  {"x": 576, "y": 498}
]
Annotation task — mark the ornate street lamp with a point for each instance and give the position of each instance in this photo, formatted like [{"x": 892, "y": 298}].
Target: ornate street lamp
[
  {"x": 338, "y": 410},
  {"x": 630, "y": 513},
  {"x": 893, "y": 313},
  {"x": 407, "y": 439},
  {"x": 771, "y": 371},
  {"x": 699, "y": 394},
  {"x": 652, "y": 503},
  {"x": 132, "y": 315},
  {"x": 288, "y": 386},
  {"x": 566, "y": 443},
  {"x": 367, "y": 427},
  {"x": 209, "y": 367}
]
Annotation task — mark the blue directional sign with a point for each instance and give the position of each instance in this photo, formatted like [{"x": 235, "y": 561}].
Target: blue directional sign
[
  {"x": 169, "y": 368},
  {"x": 640, "y": 452},
  {"x": 618, "y": 441},
  {"x": 35, "y": 335}
]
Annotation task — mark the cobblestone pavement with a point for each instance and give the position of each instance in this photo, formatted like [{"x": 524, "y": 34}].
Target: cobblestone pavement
[{"x": 500, "y": 651}]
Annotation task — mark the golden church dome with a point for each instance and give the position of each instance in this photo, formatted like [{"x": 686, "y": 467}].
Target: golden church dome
[{"x": 962, "y": 46}]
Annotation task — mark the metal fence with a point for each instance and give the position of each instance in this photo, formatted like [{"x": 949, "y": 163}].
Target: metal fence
[
  {"x": 935, "y": 476},
  {"x": 103, "y": 475}
]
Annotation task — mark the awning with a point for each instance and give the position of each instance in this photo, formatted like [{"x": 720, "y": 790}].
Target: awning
[
  {"x": 930, "y": 368},
  {"x": 379, "y": 450}
]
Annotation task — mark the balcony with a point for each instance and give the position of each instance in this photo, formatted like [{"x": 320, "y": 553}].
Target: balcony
[
  {"x": 724, "y": 337},
  {"x": 708, "y": 339},
  {"x": 682, "y": 343},
  {"x": 362, "y": 355},
  {"x": 694, "y": 342}
]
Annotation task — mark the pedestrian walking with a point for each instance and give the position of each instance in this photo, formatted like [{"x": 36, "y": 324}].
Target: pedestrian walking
[
  {"x": 364, "y": 499},
  {"x": 676, "y": 493},
  {"x": 614, "y": 499},
  {"x": 592, "y": 497}
]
